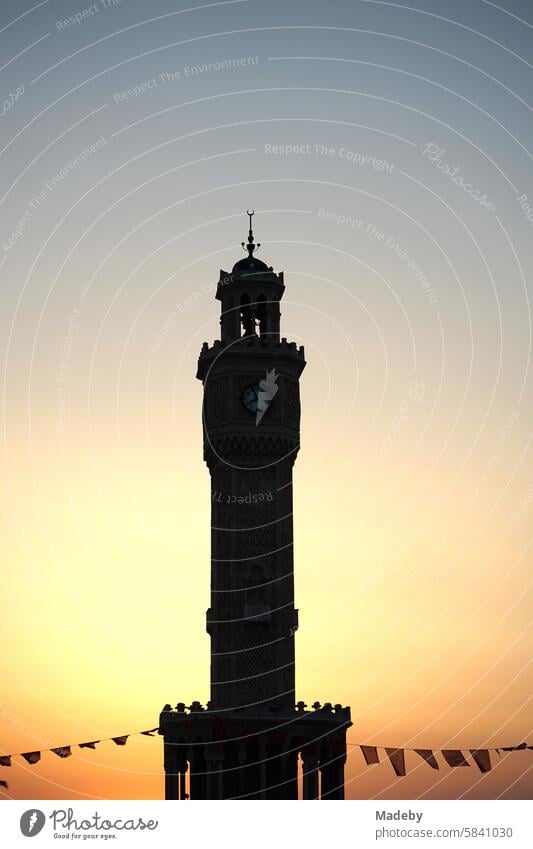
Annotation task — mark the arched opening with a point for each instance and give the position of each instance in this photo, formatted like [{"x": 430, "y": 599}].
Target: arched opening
[
  {"x": 247, "y": 316},
  {"x": 230, "y": 318},
  {"x": 261, "y": 313}
]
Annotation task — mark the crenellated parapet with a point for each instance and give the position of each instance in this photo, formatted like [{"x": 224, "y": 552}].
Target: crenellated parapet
[
  {"x": 254, "y": 347},
  {"x": 338, "y": 712}
]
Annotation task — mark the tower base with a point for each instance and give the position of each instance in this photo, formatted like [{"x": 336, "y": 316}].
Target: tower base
[{"x": 231, "y": 755}]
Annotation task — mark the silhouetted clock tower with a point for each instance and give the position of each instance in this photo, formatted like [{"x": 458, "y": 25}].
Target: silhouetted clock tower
[{"x": 248, "y": 741}]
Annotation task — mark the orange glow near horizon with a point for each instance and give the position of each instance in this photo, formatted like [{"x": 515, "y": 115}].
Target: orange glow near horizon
[{"x": 110, "y": 584}]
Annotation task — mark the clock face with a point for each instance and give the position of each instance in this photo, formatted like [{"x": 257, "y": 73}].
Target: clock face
[
  {"x": 250, "y": 398},
  {"x": 256, "y": 399}
]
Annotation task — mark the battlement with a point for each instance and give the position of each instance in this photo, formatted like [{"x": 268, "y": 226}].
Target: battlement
[
  {"x": 251, "y": 347},
  {"x": 327, "y": 710},
  {"x": 252, "y": 342}
]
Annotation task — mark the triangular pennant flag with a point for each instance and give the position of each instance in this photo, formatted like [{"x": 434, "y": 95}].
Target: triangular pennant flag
[
  {"x": 120, "y": 741},
  {"x": 4, "y": 784},
  {"x": 62, "y": 751},
  {"x": 150, "y": 733},
  {"x": 91, "y": 745},
  {"x": 454, "y": 757},
  {"x": 5, "y": 760},
  {"x": 32, "y": 757},
  {"x": 514, "y": 748},
  {"x": 370, "y": 754},
  {"x": 482, "y": 758},
  {"x": 428, "y": 756},
  {"x": 397, "y": 759}
]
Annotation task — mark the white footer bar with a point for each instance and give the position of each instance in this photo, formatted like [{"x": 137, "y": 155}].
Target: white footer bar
[{"x": 265, "y": 825}]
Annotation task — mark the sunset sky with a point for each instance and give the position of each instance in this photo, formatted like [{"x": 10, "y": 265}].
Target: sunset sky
[{"x": 386, "y": 151}]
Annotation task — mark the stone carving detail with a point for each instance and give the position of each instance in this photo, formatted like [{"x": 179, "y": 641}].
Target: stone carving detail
[
  {"x": 293, "y": 403},
  {"x": 249, "y": 450},
  {"x": 218, "y": 401}
]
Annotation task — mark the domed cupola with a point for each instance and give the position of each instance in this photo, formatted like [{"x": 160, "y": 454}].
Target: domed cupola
[{"x": 250, "y": 264}]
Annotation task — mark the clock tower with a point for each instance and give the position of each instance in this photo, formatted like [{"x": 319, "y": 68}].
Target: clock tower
[
  {"x": 247, "y": 742},
  {"x": 251, "y": 418}
]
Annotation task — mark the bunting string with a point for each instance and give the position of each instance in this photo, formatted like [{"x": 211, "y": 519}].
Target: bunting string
[
  {"x": 453, "y": 757},
  {"x": 396, "y": 756},
  {"x": 66, "y": 751}
]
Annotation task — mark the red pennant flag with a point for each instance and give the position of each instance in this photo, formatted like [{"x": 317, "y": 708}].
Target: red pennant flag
[
  {"x": 150, "y": 733},
  {"x": 32, "y": 757},
  {"x": 370, "y": 754},
  {"x": 4, "y": 784},
  {"x": 91, "y": 745},
  {"x": 120, "y": 741},
  {"x": 397, "y": 759},
  {"x": 62, "y": 751},
  {"x": 5, "y": 760},
  {"x": 428, "y": 756},
  {"x": 454, "y": 757},
  {"x": 482, "y": 758}
]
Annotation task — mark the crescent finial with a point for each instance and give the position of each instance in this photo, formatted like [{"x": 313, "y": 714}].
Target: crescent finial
[{"x": 250, "y": 247}]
